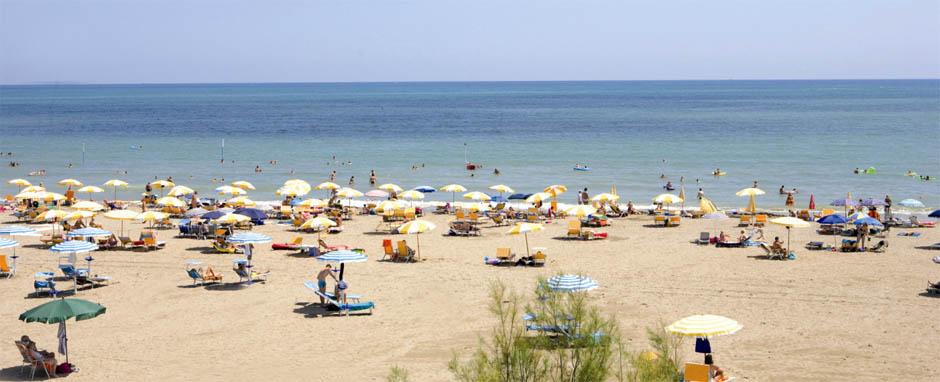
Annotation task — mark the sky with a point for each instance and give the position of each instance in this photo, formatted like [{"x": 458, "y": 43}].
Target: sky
[{"x": 210, "y": 41}]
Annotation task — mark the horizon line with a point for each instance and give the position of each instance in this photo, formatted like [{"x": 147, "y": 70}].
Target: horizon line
[{"x": 77, "y": 83}]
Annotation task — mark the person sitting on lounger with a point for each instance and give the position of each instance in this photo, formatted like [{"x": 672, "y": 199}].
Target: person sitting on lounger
[
  {"x": 48, "y": 356},
  {"x": 340, "y": 291},
  {"x": 722, "y": 237},
  {"x": 742, "y": 238},
  {"x": 321, "y": 279},
  {"x": 777, "y": 246}
]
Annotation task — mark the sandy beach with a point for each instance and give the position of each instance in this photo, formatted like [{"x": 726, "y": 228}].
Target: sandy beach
[{"x": 826, "y": 316}]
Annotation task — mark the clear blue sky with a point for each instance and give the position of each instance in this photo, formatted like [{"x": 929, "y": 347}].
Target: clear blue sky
[{"x": 128, "y": 41}]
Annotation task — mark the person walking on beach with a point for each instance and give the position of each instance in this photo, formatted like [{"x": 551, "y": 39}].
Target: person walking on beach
[{"x": 321, "y": 279}]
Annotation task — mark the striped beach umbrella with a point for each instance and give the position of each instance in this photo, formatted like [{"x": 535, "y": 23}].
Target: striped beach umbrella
[
  {"x": 581, "y": 210},
  {"x": 180, "y": 191},
  {"x": 52, "y": 215},
  {"x": 417, "y": 227},
  {"x": 90, "y": 190},
  {"x": 412, "y": 195},
  {"x": 524, "y": 229},
  {"x": 911, "y": 203},
  {"x": 170, "y": 201},
  {"x": 538, "y": 197},
  {"x": 8, "y": 243},
  {"x": 751, "y": 194},
  {"x": 292, "y": 190},
  {"x": 75, "y": 215},
  {"x": 241, "y": 201},
  {"x": 33, "y": 189},
  {"x": 605, "y": 197},
  {"x": 571, "y": 283},
  {"x": 74, "y": 246},
  {"x": 317, "y": 223},
  {"x": 501, "y": 188},
  {"x": 122, "y": 215},
  {"x": 556, "y": 189},
  {"x": 232, "y": 218},
  {"x": 328, "y": 186},
  {"x": 391, "y": 187},
  {"x": 453, "y": 189},
  {"x": 248, "y": 238},
  {"x": 87, "y": 205},
  {"x": 20, "y": 182},
  {"x": 477, "y": 195},
  {"x": 115, "y": 184},
  {"x": 667, "y": 199},
  {"x": 88, "y": 232},
  {"x": 229, "y": 190},
  {"x": 376, "y": 194},
  {"x": 706, "y": 325},
  {"x": 342, "y": 257},
  {"x": 70, "y": 183},
  {"x": 15, "y": 230},
  {"x": 244, "y": 185},
  {"x": 313, "y": 203}
]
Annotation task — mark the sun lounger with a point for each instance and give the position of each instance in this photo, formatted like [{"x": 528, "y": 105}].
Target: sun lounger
[
  {"x": 463, "y": 228},
  {"x": 815, "y": 245},
  {"x": 933, "y": 288},
  {"x": 5, "y": 269},
  {"x": 313, "y": 288},
  {"x": 293, "y": 245},
  {"x": 405, "y": 253},
  {"x": 696, "y": 372},
  {"x": 81, "y": 276},
  {"x": 704, "y": 238},
  {"x": 538, "y": 259},
  {"x": 347, "y": 307},
  {"x": 222, "y": 248},
  {"x": 772, "y": 253},
  {"x": 253, "y": 276},
  {"x": 745, "y": 220},
  {"x": 760, "y": 220},
  {"x": 53, "y": 239},
  {"x": 389, "y": 251},
  {"x": 673, "y": 221}
]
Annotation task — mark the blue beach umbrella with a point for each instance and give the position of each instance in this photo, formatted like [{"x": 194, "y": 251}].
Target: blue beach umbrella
[
  {"x": 7, "y": 243},
  {"x": 88, "y": 232},
  {"x": 342, "y": 257},
  {"x": 935, "y": 214},
  {"x": 571, "y": 283},
  {"x": 868, "y": 220},
  {"x": 212, "y": 215},
  {"x": 74, "y": 246},
  {"x": 425, "y": 189},
  {"x": 832, "y": 219},
  {"x": 519, "y": 196},
  {"x": 498, "y": 199},
  {"x": 844, "y": 203},
  {"x": 257, "y": 216},
  {"x": 14, "y": 230},
  {"x": 911, "y": 203}
]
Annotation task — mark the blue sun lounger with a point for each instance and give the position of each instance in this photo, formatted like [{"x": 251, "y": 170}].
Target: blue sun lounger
[
  {"x": 313, "y": 288},
  {"x": 353, "y": 307}
]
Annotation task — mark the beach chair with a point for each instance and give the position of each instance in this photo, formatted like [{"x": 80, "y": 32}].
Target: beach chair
[
  {"x": 504, "y": 254},
  {"x": 778, "y": 254},
  {"x": 223, "y": 248},
  {"x": 405, "y": 253},
  {"x": 696, "y": 372},
  {"x": 849, "y": 245},
  {"x": 5, "y": 269},
  {"x": 196, "y": 276},
  {"x": 151, "y": 243},
  {"x": 704, "y": 238},
  {"x": 532, "y": 217},
  {"x": 745, "y": 221},
  {"x": 460, "y": 215},
  {"x": 574, "y": 228},
  {"x": 53, "y": 239},
  {"x": 329, "y": 248},
  {"x": 313, "y": 288},
  {"x": 292, "y": 245},
  {"x": 81, "y": 276},
  {"x": 252, "y": 276},
  {"x": 388, "y": 250},
  {"x": 348, "y": 307},
  {"x": 673, "y": 221},
  {"x": 933, "y": 288},
  {"x": 760, "y": 220},
  {"x": 660, "y": 219},
  {"x": 35, "y": 361},
  {"x": 538, "y": 259}
]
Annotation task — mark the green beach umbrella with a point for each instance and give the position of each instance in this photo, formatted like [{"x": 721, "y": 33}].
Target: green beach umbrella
[{"x": 59, "y": 311}]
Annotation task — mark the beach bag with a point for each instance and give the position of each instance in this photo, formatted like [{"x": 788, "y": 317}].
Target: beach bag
[{"x": 64, "y": 368}]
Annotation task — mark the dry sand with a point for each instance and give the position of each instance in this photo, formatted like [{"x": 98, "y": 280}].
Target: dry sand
[{"x": 825, "y": 316}]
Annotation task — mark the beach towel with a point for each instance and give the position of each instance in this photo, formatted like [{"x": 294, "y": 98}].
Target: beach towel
[{"x": 63, "y": 340}]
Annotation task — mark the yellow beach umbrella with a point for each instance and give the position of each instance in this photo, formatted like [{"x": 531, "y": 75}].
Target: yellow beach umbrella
[
  {"x": 581, "y": 210},
  {"x": 477, "y": 195},
  {"x": 790, "y": 222},
  {"x": 556, "y": 189},
  {"x": 75, "y": 215},
  {"x": 453, "y": 189},
  {"x": 751, "y": 193},
  {"x": 122, "y": 215},
  {"x": 170, "y": 201},
  {"x": 241, "y": 201},
  {"x": 704, "y": 326},
  {"x": 33, "y": 189},
  {"x": 162, "y": 183},
  {"x": 90, "y": 190},
  {"x": 412, "y": 195},
  {"x": 318, "y": 223},
  {"x": 52, "y": 215},
  {"x": 328, "y": 186},
  {"x": 114, "y": 184},
  {"x": 388, "y": 207},
  {"x": 501, "y": 188},
  {"x": 47, "y": 196},
  {"x": 86, "y": 205},
  {"x": 475, "y": 207},
  {"x": 70, "y": 182},
  {"x": 313, "y": 203},
  {"x": 152, "y": 216},
  {"x": 667, "y": 199},
  {"x": 244, "y": 185},
  {"x": 20, "y": 182},
  {"x": 232, "y": 219},
  {"x": 707, "y": 206},
  {"x": 229, "y": 190},
  {"x": 348, "y": 193},
  {"x": 180, "y": 191},
  {"x": 605, "y": 197},
  {"x": 524, "y": 229},
  {"x": 391, "y": 187},
  {"x": 291, "y": 191},
  {"x": 417, "y": 227},
  {"x": 538, "y": 197},
  {"x": 291, "y": 182}
]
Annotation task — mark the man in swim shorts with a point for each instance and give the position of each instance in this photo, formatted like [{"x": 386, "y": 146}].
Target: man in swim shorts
[{"x": 321, "y": 279}]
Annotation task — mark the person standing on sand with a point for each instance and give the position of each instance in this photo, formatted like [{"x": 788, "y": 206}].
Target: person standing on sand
[
  {"x": 887, "y": 207},
  {"x": 321, "y": 279}
]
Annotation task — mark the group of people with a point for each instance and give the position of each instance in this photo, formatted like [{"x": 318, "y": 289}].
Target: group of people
[{"x": 340, "y": 286}]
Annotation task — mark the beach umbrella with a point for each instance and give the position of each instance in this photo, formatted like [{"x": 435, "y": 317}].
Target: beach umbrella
[
  {"x": 243, "y": 185},
  {"x": 833, "y": 219},
  {"x": 87, "y": 206},
  {"x": 812, "y": 202},
  {"x": 348, "y": 193},
  {"x": 328, "y": 186},
  {"x": 313, "y": 203},
  {"x": 790, "y": 223},
  {"x": 388, "y": 207},
  {"x": 581, "y": 210},
  {"x": 556, "y": 189},
  {"x": 90, "y": 190},
  {"x": 255, "y": 214},
  {"x": 453, "y": 189},
  {"x": 682, "y": 196},
  {"x": 571, "y": 283},
  {"x": 20, "y": 182},
  {"x": 845, "y": 203},
  {"x": 33, "y": 189},
  {"x": 498, "y": 199},
  {"x": 704, "y": 326},
  {"x": 195, "y": 212},
  {"x": 59, "y": 311},
  {"x": 162, "y": 184},
  {"x": 170, "y": 201},
  {"x": 605, "y": 198},
  {"x": 45, "y": 196},
  {"x": 17, "y": 230},
  {"x": 88, "y": 232},
  {"x": 10, "y": 243},
  {"x": 411, "y": 195},
  {"x": 180, "y": 191},
  {"x": 857, "y": 215},
  {"x": 474, "y": 207},
  {"x": 122, "y": 215},
  {"x": 152, "y": 216},
  {"x": 707, "y": 206},
  {"x": 390, "y": 187},
  {"x": 870, "y": 202},
  {"x": 318, "y": 223},
  {"x": 376, "y": 194},
  {"x": 667, "y": 199},
  {"x": 244, "y": 238},
  {"x": 538, "y": 197},
  {"x": 417, "y": 227},
  {"x": 501, "y": 188},
  {"x": 229, "y": 190},
  {"x": 291, "y": 191},
  {"x": 75, "y": 246},
  {"x": 231, "y": 218},
  {"x": 80, "y": 214},
  {"x": 519, "y": 196},
  {"x": 114, "y": 184},
  {"x": 868, "y": 220},
  {"x": 241, "y": 201},
  {"x": 425, "y": 189},
  {"x": 911, "y": 203},
  {"x": 714, "y": 216},
  {"x": 524, "y": 229},
  {"x": 70, "y": 183},
  {"x": 934, "y": 214},
  {"x": 751, "y": 194},
  {"x": 477, "y": 195},
  {"x": 342, "y": 257},
  {"x": 52, "y": 215}
]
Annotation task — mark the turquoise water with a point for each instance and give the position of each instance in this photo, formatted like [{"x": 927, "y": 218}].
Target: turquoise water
[{"x": 804, "y": 134}]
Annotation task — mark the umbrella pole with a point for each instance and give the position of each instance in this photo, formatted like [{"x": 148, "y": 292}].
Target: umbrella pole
[
  {"x": 788, "y": 241},
  {"x": 418, "y": 240},
  {"x": 342, "y": 269},
  {"x": 526, "y": 244},
  {"x": 66, "y": 338}
]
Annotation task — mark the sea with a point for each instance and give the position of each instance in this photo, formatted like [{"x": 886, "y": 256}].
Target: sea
[{"x": 633, "y": 135}]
